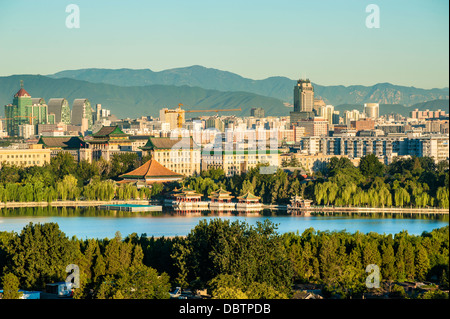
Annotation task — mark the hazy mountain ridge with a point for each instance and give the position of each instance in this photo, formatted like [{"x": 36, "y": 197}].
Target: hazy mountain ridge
[
  {"x": 278, "y": 87},
  {"x": 136, "y": 101},
  {"x": 133, "y": 100}
]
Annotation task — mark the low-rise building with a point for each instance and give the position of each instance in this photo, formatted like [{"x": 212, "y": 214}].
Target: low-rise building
[
  {"x": 236, "y": 162},
  {"x": 34, "y": 156},
  {"x": 73, "y": 145}
]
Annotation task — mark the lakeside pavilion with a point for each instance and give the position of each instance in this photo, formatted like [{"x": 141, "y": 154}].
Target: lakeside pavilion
[
  {"x": 187, "y": 200},
  {"x": 297, "y": 203},
  {"x": 186, "y": 194},
  {"x": 149, "y": 173},
  {"x": 221, "y": 201},
  {"x": 248, "y": 203}
]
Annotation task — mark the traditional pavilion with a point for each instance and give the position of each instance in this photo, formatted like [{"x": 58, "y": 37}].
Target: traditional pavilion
[
  {"x": 248, "y": 203},
  {"x": 149, "y": 173},
  {"x": 188, "y": 200},
  {"x": 187, "y": 194},
  {"x": 221, "y": 201},
  {"x": 221, "y": 196},
  {"x": 298, "y": 203}
]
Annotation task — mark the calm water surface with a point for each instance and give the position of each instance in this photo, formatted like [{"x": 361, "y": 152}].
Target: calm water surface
[{"x": 105, "y": 225}]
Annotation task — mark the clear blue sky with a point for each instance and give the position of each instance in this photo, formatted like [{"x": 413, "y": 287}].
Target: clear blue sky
[{"x": 324, "y": 40}]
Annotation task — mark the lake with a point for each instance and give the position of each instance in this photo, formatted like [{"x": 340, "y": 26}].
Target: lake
[{"x": 93, "y": 223}]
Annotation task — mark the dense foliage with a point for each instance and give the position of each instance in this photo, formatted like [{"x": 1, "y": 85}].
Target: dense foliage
[
  {"x": 65, "y": 179},
  {"x": 411, "y": 182},
  {"x": 231, "y": 259}
]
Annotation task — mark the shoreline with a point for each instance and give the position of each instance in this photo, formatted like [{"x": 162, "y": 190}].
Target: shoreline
[{"x": 297, "y": 210}]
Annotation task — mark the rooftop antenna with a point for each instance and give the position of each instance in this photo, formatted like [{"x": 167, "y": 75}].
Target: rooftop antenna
[{"x": 21, "y": 84}]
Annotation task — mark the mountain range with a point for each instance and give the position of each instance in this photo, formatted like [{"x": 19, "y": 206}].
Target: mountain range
[
  {"x": 278, "y": 87},
  {"x": 134, "y": 93}
]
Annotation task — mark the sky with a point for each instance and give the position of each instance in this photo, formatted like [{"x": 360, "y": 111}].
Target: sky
[{"x": 327, "y": 41}]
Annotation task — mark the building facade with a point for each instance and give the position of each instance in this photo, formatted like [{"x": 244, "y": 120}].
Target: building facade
[
  {"x": 82, "y": 113},
  {"x": 61, "y": 110},
  {"x": 34, "y": 156},
  {"x": 372, "y": 110},
  {"x": 179, "y": 154},
  {"x": 303, "y": 96}
]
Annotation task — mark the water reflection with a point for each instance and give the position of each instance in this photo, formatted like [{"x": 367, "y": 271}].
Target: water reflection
[{"x": 91, "y": 222}]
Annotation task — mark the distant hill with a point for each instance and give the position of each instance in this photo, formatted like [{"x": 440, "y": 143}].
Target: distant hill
[
  {"x": 399, "y": 108},
  {"x": 135, "y": 101},
  {"x": 277, "y": 87},
  {"x": 432, "y": 105}
]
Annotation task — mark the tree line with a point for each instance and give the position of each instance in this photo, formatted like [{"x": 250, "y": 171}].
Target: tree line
[
  {"x": 230, "y": 259},
  {"x": 66, "y": 179},
  {"x": 406, "y": 182}
]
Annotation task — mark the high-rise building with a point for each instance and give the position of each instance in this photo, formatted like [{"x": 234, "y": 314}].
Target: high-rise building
[
  {"x": 215, "y": 122},
  {"x": 303, "y": 96},
  {"x": 24, "y": 110},
  {"x": 81, "y": 109},
  {"x": 257, "y": 112},
  {"x": 61, "y": 110},
  {"x": 318, "y": 105},
  {"x": 175, "y": 117},
  {"x": 327, "y": 113},
  {"x": 372, "y": 110},
  {"x": 39, "y": 111},
  {"x": 303, "y": 102}
]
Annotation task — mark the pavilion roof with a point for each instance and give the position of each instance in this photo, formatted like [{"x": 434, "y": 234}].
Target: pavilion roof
[
  {"x": 221, "y": 193},
  {"x": 151, "y": 169},
  {"x": 249, "y": 196}
]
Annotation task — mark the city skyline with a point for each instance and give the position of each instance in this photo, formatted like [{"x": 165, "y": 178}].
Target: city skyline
[{"x": 327, "y": 41}]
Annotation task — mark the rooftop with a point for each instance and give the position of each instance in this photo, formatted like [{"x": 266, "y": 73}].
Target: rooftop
[
  {"x": 151, "y": 169},
  {"x": 107, "y": 131},
  {"x": 63, "y": 142},
  {"x": 167, "y": 143},
  {"x": 22, "y": 93}
]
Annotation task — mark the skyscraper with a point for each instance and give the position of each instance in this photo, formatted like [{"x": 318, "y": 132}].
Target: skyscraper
[
  {"x": 303, "y": 96},
  {"x": 372, "y": 110},
  {"x": 21, "y": 111},
  {"x": 82, "y": 110},
  {"x": 61, "y": 109},
  {"x": 303, "y": 101}
]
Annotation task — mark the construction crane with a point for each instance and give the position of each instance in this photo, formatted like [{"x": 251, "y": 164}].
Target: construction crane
[
  {"x": 30, "y": 117},
  {"x": 179, "y": 111}
]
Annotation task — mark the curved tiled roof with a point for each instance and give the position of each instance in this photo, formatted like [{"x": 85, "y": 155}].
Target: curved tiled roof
[
  {"x": 110, "y": 130},
  {"x": 63, "y": 142},
  {"x": 151, "y": 169},
  {"x": 220, "y": 193},
  {"x": 249, "y": 196}
]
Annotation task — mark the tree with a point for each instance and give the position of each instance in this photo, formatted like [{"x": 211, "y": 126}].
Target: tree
[
  {"x": 40, "y": 254},
  {"x": 11, "y": 287},
  {"x": 62, "y": 164},
  {"x": 370, "y": 166},
  {"x": 255, "y": 254},
  {"x": 142, "y": 283},
  {"x": 387, "y": 262},
  {"x": 422, "y": 263}
]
